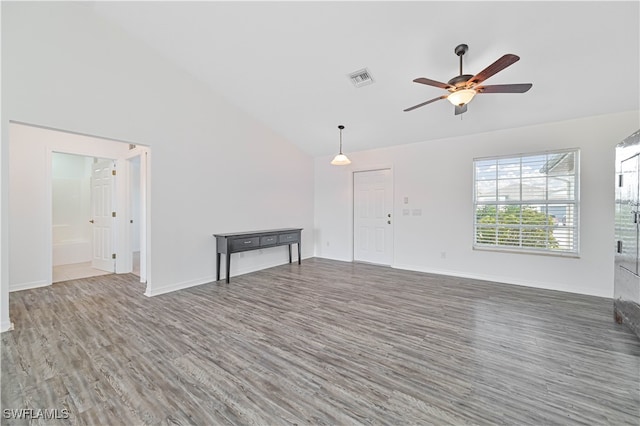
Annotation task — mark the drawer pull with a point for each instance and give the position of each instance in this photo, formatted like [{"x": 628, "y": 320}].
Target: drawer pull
[{"x": 247, "y": 242}]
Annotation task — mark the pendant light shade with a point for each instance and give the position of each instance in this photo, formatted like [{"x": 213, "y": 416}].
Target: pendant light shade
[{"x": 340, "y": 159}]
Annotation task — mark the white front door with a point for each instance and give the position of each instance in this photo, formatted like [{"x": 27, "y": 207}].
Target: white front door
[
  {"x": 372, "y": 221},
  {"x": 102, "y": 184}
]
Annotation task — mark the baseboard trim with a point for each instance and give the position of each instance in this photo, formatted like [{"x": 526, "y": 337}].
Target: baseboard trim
[
  {"x": 28, "y": 286},
  {"x": 339, "y": 259},
  {"x": 177, "y": 286}
]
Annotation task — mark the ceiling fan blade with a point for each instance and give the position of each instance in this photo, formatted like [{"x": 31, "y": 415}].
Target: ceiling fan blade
[
  {"x": 494, "y": 68},
  {"x": 430, "y": 82},
  {"x": 425, "y": 103},
  {"x": 505, "y": 88},
  {"x": 461, "y": 109}
]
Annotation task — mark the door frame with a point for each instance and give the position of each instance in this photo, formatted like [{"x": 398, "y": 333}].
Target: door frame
[
  {"x": 121, "y": 243},
  {"x": 394, "y": 215},
  {"x": 144, "y": 155},
  {"x": 49, "y": 195}
]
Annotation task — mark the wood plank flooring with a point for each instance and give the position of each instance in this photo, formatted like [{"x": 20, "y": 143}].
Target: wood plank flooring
[{"x": 322, "y": 343}]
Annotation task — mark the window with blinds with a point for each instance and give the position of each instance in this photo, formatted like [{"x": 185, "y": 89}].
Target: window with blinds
[{"x": 528, "y": 202}]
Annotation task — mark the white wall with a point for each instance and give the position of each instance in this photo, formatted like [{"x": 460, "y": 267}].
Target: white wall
[
  {"x": 214, "y": 168},
  {"x": 436, "y": 176}
]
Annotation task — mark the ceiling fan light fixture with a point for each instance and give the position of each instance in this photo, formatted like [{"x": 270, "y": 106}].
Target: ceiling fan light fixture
[
  {"x": 340, "y": 159},
  {"x": 461, "y": 97}
]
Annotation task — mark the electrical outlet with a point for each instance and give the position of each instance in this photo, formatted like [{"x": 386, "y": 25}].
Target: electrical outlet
[{"x": 443, "y": 254}]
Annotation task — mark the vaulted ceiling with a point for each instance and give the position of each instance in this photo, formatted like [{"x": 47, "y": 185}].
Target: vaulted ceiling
[{"x": 286, "y": 63}]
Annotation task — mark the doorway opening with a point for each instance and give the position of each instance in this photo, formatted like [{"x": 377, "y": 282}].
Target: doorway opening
[
  {"x": 82, "y": 188},
  {"x": 90, "y": 230},
  {"x": 134, "y": 216}
]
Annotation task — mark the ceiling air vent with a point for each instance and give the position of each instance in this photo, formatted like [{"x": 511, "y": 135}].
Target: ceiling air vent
[{"x": 361, "y": 77}]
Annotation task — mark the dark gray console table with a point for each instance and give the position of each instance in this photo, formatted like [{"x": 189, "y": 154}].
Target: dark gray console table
[{"x": 245, "y": 241}]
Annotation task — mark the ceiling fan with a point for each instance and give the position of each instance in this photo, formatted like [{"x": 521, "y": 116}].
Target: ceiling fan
[{"x": 464, "y": 87}]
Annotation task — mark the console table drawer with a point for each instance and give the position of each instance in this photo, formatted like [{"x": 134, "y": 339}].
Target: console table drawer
[
  {"x": 244, "y": 243},
  {"x": 269, "y": 240},
  {"x": 288, "y": 238}
]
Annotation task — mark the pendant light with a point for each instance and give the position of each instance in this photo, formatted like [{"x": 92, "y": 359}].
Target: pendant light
[{"x": 340, "y": 159}]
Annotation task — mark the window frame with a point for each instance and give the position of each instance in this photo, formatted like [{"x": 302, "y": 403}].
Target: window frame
[{"x": 546, "y": 201}]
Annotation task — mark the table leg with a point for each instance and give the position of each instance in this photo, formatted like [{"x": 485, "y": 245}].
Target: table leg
[
  {"x": 299, "y": 254},
  {"x": 228, "y": 265},
  {"x": 217, "y": 266},
  {"x": 289, "y": 253}
]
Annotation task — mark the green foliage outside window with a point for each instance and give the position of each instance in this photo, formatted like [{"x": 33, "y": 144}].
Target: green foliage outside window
[{"x": 515, "y": 225}]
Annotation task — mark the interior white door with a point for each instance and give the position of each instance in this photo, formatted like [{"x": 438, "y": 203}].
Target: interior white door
[
  {"x": 102, "y": 185},
  {"x": 372, "y": 221}
]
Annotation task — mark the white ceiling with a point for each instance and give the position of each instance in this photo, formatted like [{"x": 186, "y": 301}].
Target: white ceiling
[{"x": 286, "y": 63}]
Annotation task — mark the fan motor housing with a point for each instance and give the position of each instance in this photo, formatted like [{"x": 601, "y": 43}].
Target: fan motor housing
[{"x": 460, "y": 80}]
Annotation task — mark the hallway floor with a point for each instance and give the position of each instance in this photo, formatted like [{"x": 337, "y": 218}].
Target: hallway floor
[{"x": 75, "y": 271}]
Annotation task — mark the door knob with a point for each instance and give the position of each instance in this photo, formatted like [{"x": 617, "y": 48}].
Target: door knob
[
  {"x": 389, "y": 215},
  {"x": 389, "y": 222},
  {"x": 91, "y": 221}
]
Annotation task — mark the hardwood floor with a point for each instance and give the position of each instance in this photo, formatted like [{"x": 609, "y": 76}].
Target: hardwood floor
[{"x": 322, "y": 343}]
